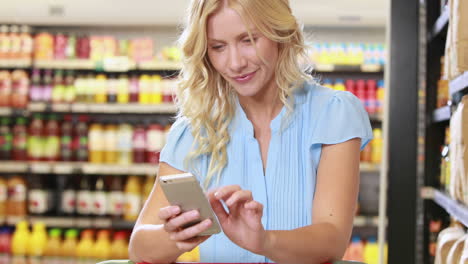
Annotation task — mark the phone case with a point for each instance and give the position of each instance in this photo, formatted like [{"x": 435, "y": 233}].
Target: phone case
[{"x": 184, "y": 190}]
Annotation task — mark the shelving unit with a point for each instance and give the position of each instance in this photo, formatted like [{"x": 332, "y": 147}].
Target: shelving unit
[
  {"x": 17, "y": 63},
  {"x": 441, "y": 114},
  {"x": 74, "y": 222},
  {"x": 460, "y": 84},
  {"x": 365, "y": 68},
  {"x": 454, "y": 208},
  {"x": 133, "y": 108}
]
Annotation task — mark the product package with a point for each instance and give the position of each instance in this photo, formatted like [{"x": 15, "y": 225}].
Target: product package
[{"x": 456, "y": 49}]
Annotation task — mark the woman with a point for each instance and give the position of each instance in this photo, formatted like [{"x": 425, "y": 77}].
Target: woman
[{"x": 280, "y": 151}]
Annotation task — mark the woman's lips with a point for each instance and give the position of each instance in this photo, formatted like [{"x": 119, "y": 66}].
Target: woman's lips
[{"x": 245, "y": 78}]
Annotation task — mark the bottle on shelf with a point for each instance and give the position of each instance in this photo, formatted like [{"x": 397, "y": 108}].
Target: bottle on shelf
[
  {"x": 100, "y": 197},
  {"x": 100, "y": 95},
  {"x": 81, "y": 140},
  {"x": 58, "y": 89},
  {"x": 371, "y": 251},
  {"x": 4, "y": 42},
  {"x": 44, "y": 46},
  {"x": 133, "y": 198},
  {"x": 123, "y": 92},
  {"x": 5, "y": 245},
  {"x": 69, "y": 196},
  {"x": 112, "y": 89},
  {"x": 84, "y": 249},
  {"x": 15, "y": 42},
  {"x": 380, "y": 96},
  {"x": 40, "y": 197},
  {"x": 145, "y": 89},
  {"x": 35, "y": 91},
  {"x": 69, "y": 246},
  {"x": 154, "y": 143},
  {"x": 125, "y": 134},
  {"x": 60, "y": 46},
  {"x": 20, "y": 89},
  {"x": 16, "y": 202},
  {"x": 116, "y": 197},
  {"x": 139, "y": 144},
  {"x": 70, "y": 49},
  {"x": 148, "y": 187},
  {"x": 3, "y": 199},
  {"x": 47, "y": 86},
  {"x": 377, "y": 145},
  {"x": 156, "y": 94},
  {"x": 20, "y": 139},
  {"x": 52, "y": 139},
  {"x": 102, "y": 247},
  {"x": 84, "y": 197},
  {"x": 6, "y": 139},
  {"x": 96, "y": 144},
  {"x": 36, "y": 138},
  {"x": 134, "y": 89},
  {"x": 69, "y": 94},
  {"x": 371, "y": 97},
  {"x": 52, "y": 252},
  {"x": 110, "y": 143},
  {"x": 5, "y": 87},
  {"x": 119, "y": 246},
  {"x": 36, "y": 245},
  {"x": 27, "y": 44},
  {"x": 66, "y": 136},
  {"x": 19, "y": 243}
]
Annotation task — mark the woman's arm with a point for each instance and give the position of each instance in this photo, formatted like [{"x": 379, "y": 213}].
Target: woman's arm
[
  {"x": 150, "y": 240},
  {"x": 334, "y": 206}
]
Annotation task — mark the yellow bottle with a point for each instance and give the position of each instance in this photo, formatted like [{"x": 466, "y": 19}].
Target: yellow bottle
[
  {"x": 339, "y": 85},
  {"x": 69, "y": 246},
  {"x": 37, "y": 244},
  {"x": 371, "y": 251},
  {"x": 96, "y": 138},
  {"x": 84, "y": 249},
  {"x": 377, "y": 144},
  {"x": 100, "y": 96},
  {"x": 19, "y": 243},
  {"x": 192, "y": 256},
  {"x": 119, "y": 246},
  {"x": 156, "y": 95},
  {"x": 123, "y": 93},
  {"x": 148, "y": 187},
  {"x": 102, "y": 247},
  {"x": 132, "y": 191},
  {"x": 145, "y": 89},
  {"x": 52, "y": 253}
]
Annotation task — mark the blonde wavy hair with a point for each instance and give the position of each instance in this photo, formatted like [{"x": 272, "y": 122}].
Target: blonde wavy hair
[{"x": 206, "y": 99}]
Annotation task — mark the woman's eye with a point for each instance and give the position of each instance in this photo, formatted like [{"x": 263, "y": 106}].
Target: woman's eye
[
  {"x": 217, "y": 47},
  {"x": 247, "y": 40}
]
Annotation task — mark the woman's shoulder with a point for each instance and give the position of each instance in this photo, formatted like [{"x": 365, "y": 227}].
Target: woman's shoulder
[
  {"x": 316, "y": 97},
  {"x": 178, "y": 143}
]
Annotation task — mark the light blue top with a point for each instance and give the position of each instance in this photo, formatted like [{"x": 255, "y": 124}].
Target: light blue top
[{"x": 321, "y": 116}]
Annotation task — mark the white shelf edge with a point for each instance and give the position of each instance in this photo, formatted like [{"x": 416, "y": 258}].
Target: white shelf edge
[
  {"x": 456, "y": 209},
  {"x": 459, "y": 83}
]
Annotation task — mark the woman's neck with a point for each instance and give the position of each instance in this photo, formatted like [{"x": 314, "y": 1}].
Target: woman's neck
[{"x": 262, "y": 108}]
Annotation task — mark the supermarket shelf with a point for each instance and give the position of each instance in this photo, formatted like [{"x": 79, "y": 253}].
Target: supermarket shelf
[
  {"x": 459, "y": 84},
  {"x": 117, "y": 64},
  {"x": 159, "y": 65},
  {"x": 348, "y": 68},
  {"x": 75, "y": 64},
  {"x": 5, "y": 111},
  {"x": 456, "y": 209},
  {"x": 440, "y": 25},
  {"x": 74, "y": 222},
  {"x": 76, "y": 167},
  {"x": 441, "y": 114},
  {"x": 18, "y": 63},
  {"x": 363, "y": 221},
  {"x": 164, "y": 108},
  {"x": 369, "y": 167},
  {"x": 376, "y": 117}
]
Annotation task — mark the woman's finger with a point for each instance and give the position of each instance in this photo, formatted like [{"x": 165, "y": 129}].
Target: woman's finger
[
  {"x": 225, "y": 192},
  {"x": 253, "y": 205},
  {"x": 191, "y": 232},
  {"x": 190, "y": 244},
  {"x": 168, "y": 212},
  {"x": 239, "y": 196},
  {"x": 179, "y": 221},
  {"x": 217, "y": 206}
]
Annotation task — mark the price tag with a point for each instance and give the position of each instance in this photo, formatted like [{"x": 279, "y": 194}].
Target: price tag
[{"x": 118, "y": 64}]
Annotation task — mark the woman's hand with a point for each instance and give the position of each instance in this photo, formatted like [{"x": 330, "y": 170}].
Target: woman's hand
[
  {"x": 185, "y": 239},
  {"x": 243, "y": 224}
]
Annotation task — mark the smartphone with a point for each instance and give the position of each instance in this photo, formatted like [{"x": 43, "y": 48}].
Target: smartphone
[{"x": 184, "y": 190}]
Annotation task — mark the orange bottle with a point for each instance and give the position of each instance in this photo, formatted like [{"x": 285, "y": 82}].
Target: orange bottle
[
  {"x": 3, "y": 199},
  {"x": 132, "y": 192},
  {"x": 16, "y": 203},
  {"x": 96, "y": 143},
  {"x": 53, "y": 252},
  {"x": 119, "y": 247},
  {"x": 110, "y": 144}
]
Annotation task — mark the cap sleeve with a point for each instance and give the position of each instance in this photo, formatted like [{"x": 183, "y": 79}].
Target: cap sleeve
[
  {"x": 178, "y": 144},
  {"x": 343, "y": 118}
]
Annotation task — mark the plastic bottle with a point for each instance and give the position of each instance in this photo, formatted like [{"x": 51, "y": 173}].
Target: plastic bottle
[
  {"x": 58, "y": 90},
  {"x": 102, "y": 247},
  {"x": 110, "y": 144},
  {"x": 80, "y": 139},
  {"x": 35, "y": 92},
  {"x": 3, "y": 199},
  {"x": 69, "y": 94},
  {"x": 84, "y": 197},
  {"x": 339, "y": 85},
  {"x": 69, "y": 246},
  {"x": 377, "y": 145},
  {"x": 5, "y": 88},
  {"x": 27, "y": 44},
  {"x": 96, "y": 143},
  {"x": 53, "y": 253},
  {"x": 16, "y": 203},
  {"x": 38, "y": 197},
  {"x": 100, "y": 95},
  {"x": 148, "y": 187},
  {"x": 5, "y": 245},
  {"x": 35, "y": 139},
  {"x": 4, "y": 42},
  {"x": 66, "y": 136},
  {"x": 6, "y": 139},
  {"x": 69, "y": 196},
  {"x": 124, "y": 149},
  {"x": 19, "y": 243},
  {"x": 20, "y": 139},
  {"x": 119, "y": 246},
  {"x": 371, "y": 251},
  {"x": 37, "y": 244},
  {"x": 100, "y": 197},
  {"x": 356, "y": 250},
  {"x": 134, "y": 89},
  {"x": 123, "y": 95},
  {"x": 20, "y": 89},
  {"x": 154, "y": 143},
  {"x": 112, "y": 89},
  {"x": 15, "y": 42},
  {"x": 84, "y": 249},
  {"x": 90, "y": 88},
  {"x": 132, "y": 198},
  {"x": 146, "y": 88},
  {"x": 70, "y": 49},
  {"x": 47, "y": 86},
  {"x": 116, "y": 198},
  {"x": 52, "y": 139},
  {"x": 380, "y": 96},
  {"x": 361, "y": 91},
  {"x": 371, "y": 97},
  {"x": 156, "y": 94},
  {"x": 328, "y": 83},
  {"x": 139, "y": 144}
]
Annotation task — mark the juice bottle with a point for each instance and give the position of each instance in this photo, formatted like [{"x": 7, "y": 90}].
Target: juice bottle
[
  {"x": 110, "y": 144},
  {"x": 5, "y": 89},
  {"x": 146, "y": 88},
  {"x": 112, "y": 87},
  {"x": 47, "y": 86},
  {"x": 3, "y": 199},
  {"x": 139, "y": 144},
  {"x": 116, "y": 198},
  {"x": 102, "y": 247},
  {"x": 60, "y": 46},
  {"x": 38, "y": 197},
  {"x": 5, "y": 245},
  {"x": 132, "y": 198},
  {"x": 80, "y": 139},
  {"x": 83, "y": 47},
  {"x": 377, "y": 143},
  {"x": 52, "y": 252},
  {"x": 155, "y": 142},
  {"x": 6, "y": 139},
  {"x": 156, "y": 94},
  {"x": 100, "y": 88},
  {"x": 371, "y": 97},
  {"x": 70, "y": 49},
  {"x": 27, "y": 44},
  {"x": 37, "y": 243},
  {"x": 134, "y": 89},
  {"x": 20, "y": 89},
  {"x": 15, "y": 42},
  {"x": 52, "y": 139},
  {"x": 119, "y": 246},
  {"x": 69, "y": 94},
  {"x": 19, "y": 243},
  {"x": 80, "y": 89},
  {"x": 35, "y": 92},
  {"x": 148, "y": 187},
  {"x": 69, "y": 246},
  {"x": 356, "y": 250},
  {"x": 84, "y": 249},
  {"x": 169, "y": 90},
  {"x": 123, "y": 95},
  {"x": 96, "y": 143},
  {"x": 361, "y": 91},
  {"x": 124, "y": 149},
  {"x": 100, "y": 197},
  {"x": 20, "y": 139},
  {"x": 4, "y": 42},
  {"x": 371, "y": 251},
  {"x": 16, "y": 203},
  {"x": 66, "y": 136},
  {"x": 380, "y": 96},
  {"x": 339, "y": 85},
  {"x": 35, "y": 139},
  {"x": 90, "y": 84},
  {"x": 84, "y": 197},
  {"x": 68, "y": 201},
  {"x": 58, "y": 90}
]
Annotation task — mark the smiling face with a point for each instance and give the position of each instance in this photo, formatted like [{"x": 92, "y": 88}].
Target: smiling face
[{"x": 235, "y": 57}]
